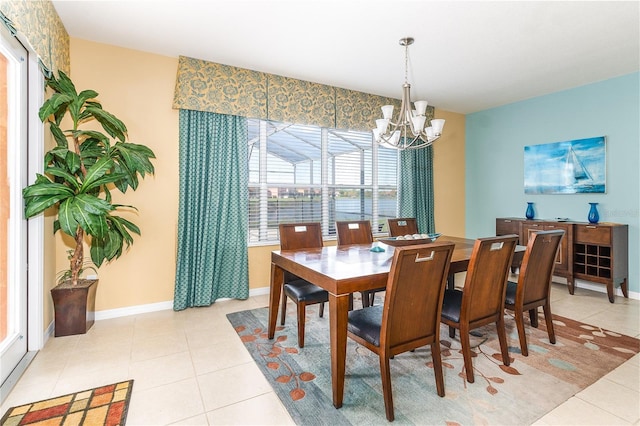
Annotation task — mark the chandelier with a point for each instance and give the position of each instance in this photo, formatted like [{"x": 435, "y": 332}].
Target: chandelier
[{"x": 408, "y": 131}]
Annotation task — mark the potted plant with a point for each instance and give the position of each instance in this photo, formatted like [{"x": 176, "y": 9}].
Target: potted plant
[{"x": 80, "y": 173}]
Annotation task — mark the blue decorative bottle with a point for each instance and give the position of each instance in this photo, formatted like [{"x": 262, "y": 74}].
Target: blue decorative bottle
[
  {"x": 593, "y": 217},
  {"x": 529, "y": 214}
]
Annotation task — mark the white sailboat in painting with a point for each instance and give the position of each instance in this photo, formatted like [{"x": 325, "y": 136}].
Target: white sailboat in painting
[{"x": 577, "y": 177}]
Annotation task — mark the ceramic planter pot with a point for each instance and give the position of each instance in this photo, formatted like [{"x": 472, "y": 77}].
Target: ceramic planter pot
[{"x": 74, "y": 307}]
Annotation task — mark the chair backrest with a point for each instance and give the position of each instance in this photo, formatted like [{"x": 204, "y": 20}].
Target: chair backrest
[
  {"x": 297, "y": 236},
  {"x": 486, "y": 281},
  {"x": 354, "y": 232},
  {"x": 536, "y": 270},
  {"x": 414, "y": 294},
  {"x": 402, "y": 226}
]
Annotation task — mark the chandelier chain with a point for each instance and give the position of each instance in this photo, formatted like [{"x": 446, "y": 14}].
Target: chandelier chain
[{"x": 406, "y": 63}]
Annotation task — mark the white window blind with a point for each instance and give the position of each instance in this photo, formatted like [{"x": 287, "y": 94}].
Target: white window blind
[{"x": 300, "y": 173}]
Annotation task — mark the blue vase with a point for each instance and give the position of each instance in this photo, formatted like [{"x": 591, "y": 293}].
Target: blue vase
[
  {"x": 529, "y": 214},
  {"x": 593, "y": 217}
]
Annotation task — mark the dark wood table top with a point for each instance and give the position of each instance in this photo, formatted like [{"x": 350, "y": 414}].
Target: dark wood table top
[{"x": 335, "y": 269}]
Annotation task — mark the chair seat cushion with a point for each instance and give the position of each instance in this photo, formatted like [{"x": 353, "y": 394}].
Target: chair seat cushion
[
  {"x": 366, "y": 323},
  {"x": 451, "y": 305},
  {"x": 304, "y": 291},
  {"x": 510, "y": 299}
]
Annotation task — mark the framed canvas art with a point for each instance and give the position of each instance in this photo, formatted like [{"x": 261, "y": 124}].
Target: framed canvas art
[{"x": 570, "y": 167}]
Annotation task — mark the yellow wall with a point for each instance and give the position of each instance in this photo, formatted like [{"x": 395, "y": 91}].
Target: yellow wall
[
  {"x": 448, "y": 175},
  {"x": 138, "y": 88}
]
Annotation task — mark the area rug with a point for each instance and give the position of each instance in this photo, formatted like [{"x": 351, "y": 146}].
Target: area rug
[
  {"x": 103, "y": 406},
  {"x": 518, "y": 394}
]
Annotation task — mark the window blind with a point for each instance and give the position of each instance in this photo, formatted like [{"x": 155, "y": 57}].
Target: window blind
[{"x": 302, "y": 173}]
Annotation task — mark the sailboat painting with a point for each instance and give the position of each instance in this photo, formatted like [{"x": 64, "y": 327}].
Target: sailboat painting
[{"x": 570, "y": 167}]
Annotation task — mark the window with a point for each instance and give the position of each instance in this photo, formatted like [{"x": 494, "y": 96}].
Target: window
[{"x": 300, "y": 173}]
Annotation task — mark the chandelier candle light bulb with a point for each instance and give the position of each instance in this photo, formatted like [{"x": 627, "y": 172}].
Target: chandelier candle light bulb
[{"x": 409, "y": 131}]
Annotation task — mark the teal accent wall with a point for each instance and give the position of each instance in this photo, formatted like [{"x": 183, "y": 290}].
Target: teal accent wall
[{"x": 495, "y": 141}]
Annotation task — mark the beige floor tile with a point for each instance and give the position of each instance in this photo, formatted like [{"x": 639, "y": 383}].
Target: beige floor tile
[
  {"x": 625, "y": 321},
  {"x": 158, "y": 345},
  {"x": 576, "y": 412},
  {"x": 628, "y": 374},
  {"x": 225, "y": 387},
  {"x": 198, "y": 420},
  {"x": 262, "y": 410},
  {"x": 165, "y": 404},
  {"x": 223, "y": 354},
  {"x": 614, "y": 398},
  {"x": 24, "y": 393},
  {"x": 74, "y": 382},
  {"x": 163, "y": 370},
  {"x": 206, "y": 337}
]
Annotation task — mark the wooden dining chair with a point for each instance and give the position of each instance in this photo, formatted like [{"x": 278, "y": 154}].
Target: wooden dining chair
[
  {"x": 410, "y": 315},
  {"x": 298, "y": 236},
  {"x": 402, "y": 226},
  {"x": 534, "y": 284},
  {"x": 481, "y": 301},
  {"x": 352, "y": 232}
]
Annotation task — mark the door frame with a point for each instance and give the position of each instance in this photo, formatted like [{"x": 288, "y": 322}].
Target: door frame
[{"x": 35, "y": 226}]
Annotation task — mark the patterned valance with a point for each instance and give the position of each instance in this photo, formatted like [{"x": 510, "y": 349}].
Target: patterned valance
[
  {"x": 223, "y": 89},
  {"x": 210, "y": 87},
  {"x": 42, "y": 28}
]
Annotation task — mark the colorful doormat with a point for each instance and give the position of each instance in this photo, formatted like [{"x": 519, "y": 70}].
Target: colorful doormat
[
  {"x": 103, "y": 406},
  {"x": 519, "y": 394}
]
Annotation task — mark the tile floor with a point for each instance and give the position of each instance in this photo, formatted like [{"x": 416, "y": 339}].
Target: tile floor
[{"x": 190, "y": 368}]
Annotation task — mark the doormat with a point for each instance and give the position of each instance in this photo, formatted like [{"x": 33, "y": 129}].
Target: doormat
[
  {"x": 519, "y": 394},
  {"x": 103, "y": 406}
]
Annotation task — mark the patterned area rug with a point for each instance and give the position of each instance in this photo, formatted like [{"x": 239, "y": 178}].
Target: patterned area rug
[
  {"x": 103, "y": 406},
  {"x": 519, "y": 394}
]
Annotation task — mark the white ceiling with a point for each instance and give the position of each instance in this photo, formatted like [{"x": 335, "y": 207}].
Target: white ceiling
[{"x": 468, "y": 56}]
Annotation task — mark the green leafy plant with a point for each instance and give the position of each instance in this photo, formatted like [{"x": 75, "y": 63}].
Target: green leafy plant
[{"x": 82, "y": 170}]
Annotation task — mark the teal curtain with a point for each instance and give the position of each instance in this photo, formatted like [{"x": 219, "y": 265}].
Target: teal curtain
[
  {"x": 415, "y": 189},
  {"x": 212, "y": 258}
]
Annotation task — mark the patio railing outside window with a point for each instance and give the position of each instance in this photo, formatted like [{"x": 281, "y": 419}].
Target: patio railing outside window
[{"x": 300, "y": 173}]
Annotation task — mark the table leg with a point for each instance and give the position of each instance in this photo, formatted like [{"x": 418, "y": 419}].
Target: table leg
[
  {"x": 338, "y": 311},
  {"x": 275, "y": 289},
  {"x": 451, "y": 282}
]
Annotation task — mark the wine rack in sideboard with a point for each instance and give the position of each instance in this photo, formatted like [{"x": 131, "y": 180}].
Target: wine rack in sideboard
[{"x": 592, "y": 252}]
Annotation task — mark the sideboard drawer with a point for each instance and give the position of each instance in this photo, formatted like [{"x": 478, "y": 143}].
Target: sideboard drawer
[{"x": 593, "y": 234}]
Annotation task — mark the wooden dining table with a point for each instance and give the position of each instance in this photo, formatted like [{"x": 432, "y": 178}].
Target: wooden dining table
[{"x": 346, "y": 270}]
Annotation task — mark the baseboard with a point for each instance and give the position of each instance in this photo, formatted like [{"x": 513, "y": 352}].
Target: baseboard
[
  {"x": 598, "y": 288},
  {"x": 161, "y": 306}
]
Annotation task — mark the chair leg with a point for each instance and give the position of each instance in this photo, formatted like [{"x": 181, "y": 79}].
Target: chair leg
[
  {"x": 466, "y": 353},
  {"x": 372, "y": 298},
  {"x": 301, "y": 321},
  {"x": 549, "y": 322},
  {"x": 385, "y": 373},
  {"x": 437, "y": 367},
  {"x": 283, "y": 309},
  {"x": 502, "y": 337},
  {"x": 452, "y": 331},
  {"x": 364, "y": 295},
  {"x": 519, "y": 316},
  {"x": 533, "y": 317},
  {"x": 321, "y": 310}
]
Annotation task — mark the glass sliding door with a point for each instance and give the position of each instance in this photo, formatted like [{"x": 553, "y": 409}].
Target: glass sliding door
[{"x": 13, "y": 226}]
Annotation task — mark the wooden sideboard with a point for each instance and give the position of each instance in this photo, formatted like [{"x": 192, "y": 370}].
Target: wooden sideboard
[{"x": 592, "y": 252}]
